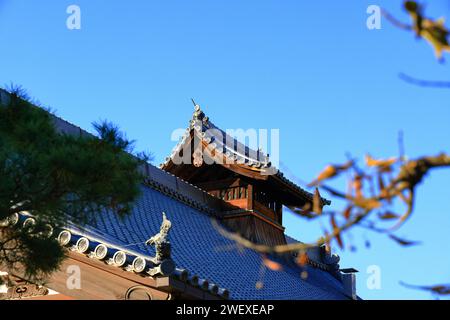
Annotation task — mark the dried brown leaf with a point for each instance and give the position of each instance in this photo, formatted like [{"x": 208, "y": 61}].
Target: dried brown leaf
[
  {"x": 347, "y": 212},
  {"x": 305, "y": 213},
  {"x": 331, "y": 171},
  {"x": 388, "y": 215},
  {"x": 440, "y": 289},
  {"x": 380, "y": 163},
  {"x": 367, "y": 203},
  {"x": 302, "y": 259},
  {"x": 403, "y": 242},
  {"x": 272, "y": 265},
  {"x": 317, "y": 203},
  {"x": 358, "y": 186}
]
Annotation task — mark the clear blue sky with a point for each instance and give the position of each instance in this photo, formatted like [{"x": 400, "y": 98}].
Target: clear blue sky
[{"x": 310, "y": 68}]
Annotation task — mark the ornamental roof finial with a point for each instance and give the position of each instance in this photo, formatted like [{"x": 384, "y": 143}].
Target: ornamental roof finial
[{"x": 198, "y": 113}]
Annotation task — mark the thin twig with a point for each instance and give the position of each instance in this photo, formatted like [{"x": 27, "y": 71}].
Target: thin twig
[
  {"x": 424, "y": 83},
  {"x": 394, "y": 21}
]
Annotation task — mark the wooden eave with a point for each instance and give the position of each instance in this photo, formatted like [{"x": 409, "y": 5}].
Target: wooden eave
[{"x": 102, "y": 281}]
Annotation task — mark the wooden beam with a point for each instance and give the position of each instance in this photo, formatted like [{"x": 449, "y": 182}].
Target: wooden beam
[{"x": 250, "y": 196}]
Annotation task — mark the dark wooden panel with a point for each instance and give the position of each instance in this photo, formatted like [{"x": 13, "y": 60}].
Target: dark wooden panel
[{"x": 255, "y": 229}]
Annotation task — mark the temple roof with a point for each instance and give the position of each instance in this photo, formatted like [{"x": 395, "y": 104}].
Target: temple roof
[{"x": 235, "y": 155}]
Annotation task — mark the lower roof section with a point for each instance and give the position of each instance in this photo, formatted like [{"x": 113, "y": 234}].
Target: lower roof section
[{"x": 198, "y": 247}]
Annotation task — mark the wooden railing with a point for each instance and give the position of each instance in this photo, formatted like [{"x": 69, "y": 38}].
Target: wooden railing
[
  {"x": 241, "y": 197},
  {"x": 230, "y": 194}
]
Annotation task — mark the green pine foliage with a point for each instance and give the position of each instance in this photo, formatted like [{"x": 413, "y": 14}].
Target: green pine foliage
[{"x": 56, "y": 177}]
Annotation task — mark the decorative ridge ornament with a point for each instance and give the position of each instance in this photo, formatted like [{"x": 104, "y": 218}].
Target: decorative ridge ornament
[
  {"x": 198, "y": 115},
  {"x": 161, "y": 241}
]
